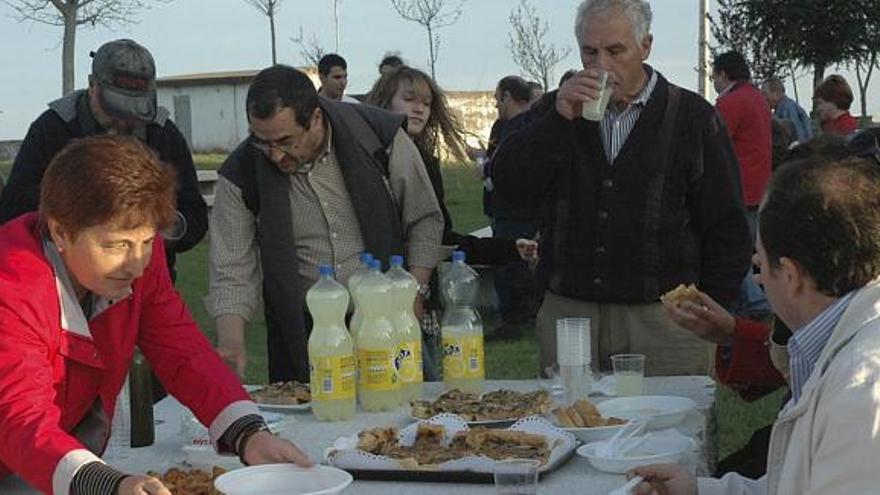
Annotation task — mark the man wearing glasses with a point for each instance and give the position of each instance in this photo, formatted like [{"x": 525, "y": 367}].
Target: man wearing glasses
[{"x": 317, "y": 182}]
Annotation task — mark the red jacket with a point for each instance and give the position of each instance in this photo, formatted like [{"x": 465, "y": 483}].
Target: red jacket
[
  {"x": 747, "y": 116},
  {"x": 49, "y": 377},
  {"x": 843, "y": 125},
  {"x": 746, "y": 366}
]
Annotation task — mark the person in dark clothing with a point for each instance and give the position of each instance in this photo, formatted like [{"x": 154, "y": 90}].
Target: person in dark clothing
[
  {"x": 121, "y": 99},
  {"x": 643, "y": 200},
  {"x": 515, "y": 281},
  {"x": 413, "y": 93}
]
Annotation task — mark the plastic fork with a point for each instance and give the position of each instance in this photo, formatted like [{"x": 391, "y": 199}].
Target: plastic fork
[
  {"x": 625, "y": 489},
  {"x": 610, "y": 448}
]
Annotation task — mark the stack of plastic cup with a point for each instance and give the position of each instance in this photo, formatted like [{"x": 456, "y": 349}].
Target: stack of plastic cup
[
  {"x": 119, "y": 444},
  {"x": 573, "y": 356}
]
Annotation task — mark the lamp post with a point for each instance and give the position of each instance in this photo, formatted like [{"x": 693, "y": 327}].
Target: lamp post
[{"x": 703, "y": 50}]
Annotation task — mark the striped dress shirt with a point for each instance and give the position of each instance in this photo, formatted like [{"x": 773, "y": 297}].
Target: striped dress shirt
[
  {"x": 617, "y": 124},
  {"x": 806, "y": 345}
]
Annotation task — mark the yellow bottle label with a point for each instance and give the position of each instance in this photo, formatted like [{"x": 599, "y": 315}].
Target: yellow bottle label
[
  {"x": 409, "y": 362},
  {"x": 377, "y": 370},
  {"x": 332, "y": 377},
  {"x": 463, "y": 357}
]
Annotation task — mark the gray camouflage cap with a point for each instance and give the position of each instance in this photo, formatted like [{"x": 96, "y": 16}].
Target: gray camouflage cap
[{"x": 126, "y": 75}]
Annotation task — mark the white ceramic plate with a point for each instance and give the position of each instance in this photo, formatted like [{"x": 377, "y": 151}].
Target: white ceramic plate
[
  {"x": 656, "y": 449},
  {"x": 277, "y": 407},
  {"x": 662, "y": 411},
  {"x": 283, "y": 479}
]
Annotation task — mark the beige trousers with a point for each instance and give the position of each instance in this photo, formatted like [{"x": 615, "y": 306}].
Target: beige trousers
[{"x": 640, "y": 328}]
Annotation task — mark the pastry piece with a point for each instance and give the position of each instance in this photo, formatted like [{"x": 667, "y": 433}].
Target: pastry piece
[
  {"x": 681, "y": 294},
  {"x": 563, "y": 419}
]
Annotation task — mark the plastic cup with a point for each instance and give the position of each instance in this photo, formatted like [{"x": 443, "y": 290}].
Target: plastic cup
[
  {"x": 595, "y": 109},
  {"x": 516, "y": 477},
  {"x": 629, "y": 374},
  {"x": 573, "y": 356}
]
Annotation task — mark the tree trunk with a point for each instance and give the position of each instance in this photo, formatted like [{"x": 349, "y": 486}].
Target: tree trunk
[
  {"x": 818, "y": 77},
  {"x": 67, "y": 50},
  {"x": 272, "y": 30},
  {"x": 431, "y": 51}
]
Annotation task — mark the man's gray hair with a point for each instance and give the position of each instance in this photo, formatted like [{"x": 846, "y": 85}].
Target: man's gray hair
[{"x": 637, "y": 11}]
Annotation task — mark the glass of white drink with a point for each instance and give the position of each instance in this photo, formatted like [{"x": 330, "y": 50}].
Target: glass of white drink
[{"x": 629, "y": 373}]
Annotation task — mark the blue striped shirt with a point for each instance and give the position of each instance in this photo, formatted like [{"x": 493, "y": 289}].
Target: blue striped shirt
[
  {"x": 617, "y": 124},
  {"x": 806, "y": 345}
]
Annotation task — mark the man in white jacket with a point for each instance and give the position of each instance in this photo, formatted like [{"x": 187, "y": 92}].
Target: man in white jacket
[{"x": 818, "y": 250}]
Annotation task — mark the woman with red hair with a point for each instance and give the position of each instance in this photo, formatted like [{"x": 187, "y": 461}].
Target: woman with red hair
[{"x": 82, "y": 283}]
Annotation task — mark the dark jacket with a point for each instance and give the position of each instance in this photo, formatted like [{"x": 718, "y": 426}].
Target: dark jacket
[
  {"x": 495, "y": 205},
  {"x": 361, "y": 136},
  {"x": 669, "y": 210},
  {"x": 478, "y": 250},
  {"x": 70, "y": 117}
]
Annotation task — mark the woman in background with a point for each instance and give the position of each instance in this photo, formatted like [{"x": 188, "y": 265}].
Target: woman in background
[{"x": 429, "y": 123}]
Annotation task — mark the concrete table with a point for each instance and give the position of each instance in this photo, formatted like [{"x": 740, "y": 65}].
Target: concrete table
[{"x": 314, "y": 436}]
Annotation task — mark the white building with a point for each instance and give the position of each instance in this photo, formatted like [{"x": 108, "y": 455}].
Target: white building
[{"x": 209, "y": 108}]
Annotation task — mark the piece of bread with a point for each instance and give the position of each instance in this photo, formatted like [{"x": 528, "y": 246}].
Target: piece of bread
[
  {"x": 563, "y": 419},
  {"x": 681, "y": 294},
  {"x": 585, "y": 408}
]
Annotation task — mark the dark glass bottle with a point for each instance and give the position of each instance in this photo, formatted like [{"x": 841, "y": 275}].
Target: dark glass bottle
[{"x": 141, "y": 396}]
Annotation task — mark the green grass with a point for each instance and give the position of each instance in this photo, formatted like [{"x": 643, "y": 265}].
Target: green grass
[{"x": 504, "y": 360}]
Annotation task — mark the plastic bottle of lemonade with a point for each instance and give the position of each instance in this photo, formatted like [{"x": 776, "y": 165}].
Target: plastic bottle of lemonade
[
  {"x": 403, "y": 292},
  {"x": 377, "y": 344},
  {"x": 331, "y": 350},
  {"x": 353, "y": 281},
  {"x": 461, "y": 329}
]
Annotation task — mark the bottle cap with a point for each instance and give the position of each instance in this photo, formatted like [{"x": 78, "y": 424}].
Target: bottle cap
[
  {"x": 325, "y": 270},
  {"x": 458, "y": 256},
  {"x": 375, "y": 264},
  {"x": 366, "y": 257},
  {"x": 397, "y": 260}
]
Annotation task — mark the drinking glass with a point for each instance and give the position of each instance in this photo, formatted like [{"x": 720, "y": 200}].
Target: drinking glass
[
  {"x": 629, "y": 373},
  {"x": 516, "y": 477},
  {"x": 595, "y": 109}
]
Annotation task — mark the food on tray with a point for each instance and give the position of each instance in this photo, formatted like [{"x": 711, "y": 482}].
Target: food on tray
[
  {"x": 283, "y": 394},
  {"x": 192, "y": 482},
  {"x": 681, "y": 294},
  {"x": 430, "y": 449},
  {"x": 583, "y": 414},
  {"x": 497, "y": 405}
]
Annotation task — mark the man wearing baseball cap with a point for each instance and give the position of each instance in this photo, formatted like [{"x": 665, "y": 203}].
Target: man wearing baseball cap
[{"x": 120, "y": 99}]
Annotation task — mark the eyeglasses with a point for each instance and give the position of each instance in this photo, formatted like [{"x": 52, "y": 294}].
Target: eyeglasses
[{"x": 286, "y": 148}]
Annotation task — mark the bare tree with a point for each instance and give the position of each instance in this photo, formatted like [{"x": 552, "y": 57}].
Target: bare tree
[
  {"x": 311, "y": 50},
  {"x": 268, "y": 8},
  {"x": 529, "y": 49},
  {"x": 432, "y": 15},
  {"x": 70, "y": 14}
]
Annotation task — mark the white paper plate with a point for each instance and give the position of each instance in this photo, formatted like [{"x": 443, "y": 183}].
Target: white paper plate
[
  {"x": 657, "y": 449},
  {"x": 497, "y": 423},
  {"x": 595, "y": 434},
  {"x": 283, "y": 479},
  {"x": 345, "y": 454},
  {"x": 662, "y": 411},
  {"x": 277, "y": 407}
]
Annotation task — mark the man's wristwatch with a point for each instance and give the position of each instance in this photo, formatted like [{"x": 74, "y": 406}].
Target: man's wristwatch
[{"x": 424, "y": 290}]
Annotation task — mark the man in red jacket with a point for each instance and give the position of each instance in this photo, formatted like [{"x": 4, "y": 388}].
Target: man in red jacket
[{"x": 747, "y": 116}]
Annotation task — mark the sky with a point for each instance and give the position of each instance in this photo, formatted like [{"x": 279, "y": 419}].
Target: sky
[{"x": 188, "y": 36}]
